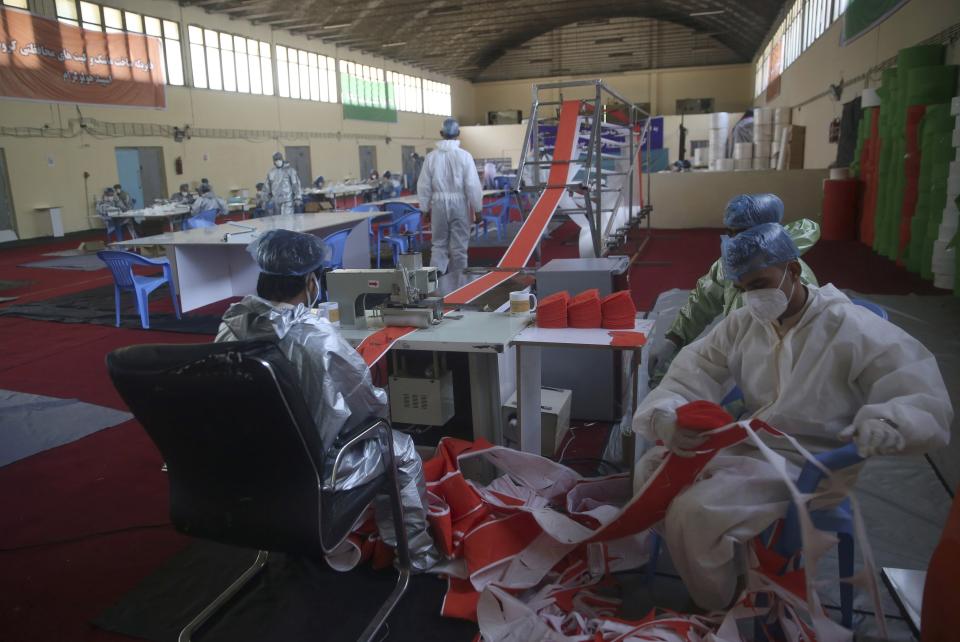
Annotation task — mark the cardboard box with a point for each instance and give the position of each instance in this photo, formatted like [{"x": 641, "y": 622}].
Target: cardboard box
[{"x": 554, "y": 420}]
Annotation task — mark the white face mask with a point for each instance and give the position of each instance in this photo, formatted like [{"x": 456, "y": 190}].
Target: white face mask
[
  {"x": 768, "y": 304},
  {"x": 316, "y": 296},
  {"x": 278, "y": 163}
]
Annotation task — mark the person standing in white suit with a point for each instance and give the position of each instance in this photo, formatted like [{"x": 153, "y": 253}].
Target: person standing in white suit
[
  {"x": 449, "y": 191},
  {"x": 810, "y": 363}
]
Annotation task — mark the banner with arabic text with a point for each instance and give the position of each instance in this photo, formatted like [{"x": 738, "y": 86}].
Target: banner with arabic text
[{"x": 42, "y": 59}]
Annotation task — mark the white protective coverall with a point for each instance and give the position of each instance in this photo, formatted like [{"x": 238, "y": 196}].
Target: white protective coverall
[
  {"x": 449, "y": 187},
  {"x": 283, "y": 188},
  {"x": 209, "y": 201},
  {"x": 838, "y": 366},
  {"x": 337, "y": 387}
]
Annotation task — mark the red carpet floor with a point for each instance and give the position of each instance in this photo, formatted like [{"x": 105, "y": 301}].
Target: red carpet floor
[{"x": 83, "y": 523}]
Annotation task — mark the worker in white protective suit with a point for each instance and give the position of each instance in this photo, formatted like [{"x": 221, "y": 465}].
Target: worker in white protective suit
[
  {"x": 716, "y": 296},
  {"x": 283, "y": 187},
  {"x": 450, "y": 192},
  {"x": 809, "y": 363},
  {"x": 334, "y": 378},
  {"x": 209, "y": 201}
]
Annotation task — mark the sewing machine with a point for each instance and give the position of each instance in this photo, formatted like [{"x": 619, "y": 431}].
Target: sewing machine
[{"x": 400, "y": 296}]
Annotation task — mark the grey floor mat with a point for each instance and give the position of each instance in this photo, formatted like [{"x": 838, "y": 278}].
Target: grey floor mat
[
  {"x": 82, "y": 262},
  {"x": 30, "y": 424}
]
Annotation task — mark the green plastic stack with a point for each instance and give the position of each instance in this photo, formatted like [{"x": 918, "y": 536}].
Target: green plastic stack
[
  {"x": 918, "y": 70},
  {"x": 936, "y": 134},
  {"x": 886, "y": 175}
]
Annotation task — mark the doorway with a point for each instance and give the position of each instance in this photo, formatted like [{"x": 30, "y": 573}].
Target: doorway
[
  {"x": 142, "y": 174},
  {"x": 8, "y": 220},
  {"x": 368, "y": 160},
  {"x": 408, "y": 167},
  {"x": 299, "y": 158}
]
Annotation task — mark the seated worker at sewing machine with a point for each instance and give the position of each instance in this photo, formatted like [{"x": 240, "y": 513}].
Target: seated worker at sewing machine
[
  {"x": 810, "y": 363},
  {"x": 335, "y": 380}
]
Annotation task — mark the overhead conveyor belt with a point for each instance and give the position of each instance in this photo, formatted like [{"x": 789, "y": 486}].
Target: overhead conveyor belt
[{"x": 525, "y": 242}]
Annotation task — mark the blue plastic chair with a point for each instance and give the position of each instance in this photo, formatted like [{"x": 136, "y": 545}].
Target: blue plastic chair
[
  {"x": 121, "y": 265},
  {"x": 873, "y": 307},
  {"x": 398, "y": 241},
  {"x": 508, "y": 185},
  {"x": 398, "y": 212},
  {"x": 207, "y": 218},
  {"x": 337, "y": 242},
  {"x": 499, "y": 219}
]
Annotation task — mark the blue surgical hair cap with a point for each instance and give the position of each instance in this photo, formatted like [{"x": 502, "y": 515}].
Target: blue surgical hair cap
[
  {"x": 288, "y": 253},
  {"x": 759, "y": 247},
  {"x": 747, "y": 210}
]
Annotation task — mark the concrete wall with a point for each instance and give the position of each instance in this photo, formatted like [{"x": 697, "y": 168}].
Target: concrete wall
[
  {"x": 825, "y": 62},
  {"x": 49, "y": 170},
  {"x": 697, "y": 199},
  {"x": 731, "y": 87}
]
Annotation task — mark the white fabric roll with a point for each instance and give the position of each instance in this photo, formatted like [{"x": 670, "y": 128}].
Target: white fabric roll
[
  {"x": 725, "y": 165},
  {"x": 720, "y": 120},
  {"x": 955, "y": 106},
  {"x": 712, "y": 165},
  {"x": 839, "y": 173},
  {"x": 700, "y": 156},
  {"x": 743, "y": 151},
  {"x": 947, "y": 232},
  {"x": 953, "y": 187},
  {"x": 773, "y": 162},
  {"x": 944, "y": 281},
  {"x": 761, "y": 162},
  {"x": 944, "y": 259},
  {"x": 782, "y": 116},
  {"x": 763, "y": 115},
  {"x": 956, "y": 139},
  {"x": 763, "y": 148},
  {"x": 950, "y": 214},
  {"x": 742, "y": 163},
  {"x": 783, "y": 144}
]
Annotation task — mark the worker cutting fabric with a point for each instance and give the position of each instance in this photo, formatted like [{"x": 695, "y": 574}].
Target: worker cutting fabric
[
  {"x": 810, "y": 363},
  {"x": 208, "y": 201},
  {"x": 714, "y": 295},
  {"x": 283, "y": 187},
  {"x": 334, "y": 378},
  {"x": 449, "y": 191}
]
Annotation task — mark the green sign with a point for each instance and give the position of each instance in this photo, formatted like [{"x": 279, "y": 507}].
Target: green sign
[
  {"x": 362, "y": 112},
  {"x": 366, "y": 99},
  {"x": 863, "y": 15}
]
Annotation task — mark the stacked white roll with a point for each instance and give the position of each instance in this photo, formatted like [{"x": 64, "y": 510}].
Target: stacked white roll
[
  {"x": 719, "y": 124},
  {"x": 700, "y": 157},
  {"x": 742, "y": 163},
  {"x": 763, "y": 134},
  {"x": 743, "y": 151},
  {"x": 725, "y": 165},
  {"x": 782, "y": 116}
]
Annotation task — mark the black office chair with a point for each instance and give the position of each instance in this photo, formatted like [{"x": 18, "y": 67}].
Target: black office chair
[{"x": 244, "y": 458}]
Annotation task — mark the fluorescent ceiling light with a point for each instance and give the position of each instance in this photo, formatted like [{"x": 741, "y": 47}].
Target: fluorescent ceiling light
[
  {"x": 394, "y": 44},
  {"x": 339, "y": 26},
  {"x": 707, "y": 13}
]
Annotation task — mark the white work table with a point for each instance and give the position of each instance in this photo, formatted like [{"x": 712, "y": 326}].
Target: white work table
[
  {"x": 169, "y": 212},
  {"x": 528, "y": 344},
  {"x": 485, "y": 337},
  {"x": 413, "y": 199},
  {"x": 210, "y": 266}
]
